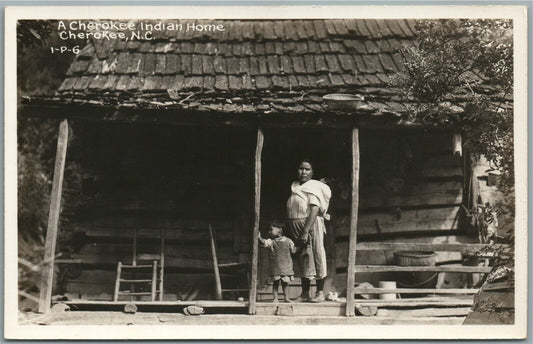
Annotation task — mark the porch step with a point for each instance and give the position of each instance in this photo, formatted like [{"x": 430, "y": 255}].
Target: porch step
[{"x": 135, "y": 281}]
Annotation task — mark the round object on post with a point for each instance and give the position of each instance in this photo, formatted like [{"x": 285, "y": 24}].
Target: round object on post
[{"x": 340, "y": 101}]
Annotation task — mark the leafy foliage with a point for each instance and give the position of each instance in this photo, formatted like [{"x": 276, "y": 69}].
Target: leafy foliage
[{"x": 460, "y": 73}]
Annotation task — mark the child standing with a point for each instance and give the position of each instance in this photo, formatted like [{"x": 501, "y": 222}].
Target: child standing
[{"x": 280, "y": 249}]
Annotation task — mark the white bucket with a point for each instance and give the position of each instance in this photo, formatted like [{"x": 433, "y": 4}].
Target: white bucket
[{"x": 387, "y": 285}]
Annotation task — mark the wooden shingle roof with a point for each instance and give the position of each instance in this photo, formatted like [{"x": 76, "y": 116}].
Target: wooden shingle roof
[{"x": 252, "y": 66}]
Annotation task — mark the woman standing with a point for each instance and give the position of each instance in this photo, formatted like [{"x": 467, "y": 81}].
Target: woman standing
[{"x": 306, "y": 210}]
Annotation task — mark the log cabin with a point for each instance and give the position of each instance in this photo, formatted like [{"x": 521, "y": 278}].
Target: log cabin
[{"x": 187, "y": 144}]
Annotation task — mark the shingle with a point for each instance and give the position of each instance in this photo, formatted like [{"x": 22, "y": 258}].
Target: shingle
[
  {"x": 313, "y": 47},
  {"x": 211, "y": 48},
  {"x": 280, "y": 81},
  {"x": 347, "y": 62},
  {"x": 262, "y": 82},
  {"x": 372, "y": 79},
  {"x": 186, "y": 48},
  {"x": 83, "y": 83},
  {"x": 95, "y": 67},
  {"x": 384, "y": 78},
  {"x": 111, "y": 82},
  {"x": 356, "y": 46},
  {"x": 135, "y": 63},
  {"x": 359, "y": 63},
  {"x": 293, "y": 81},
  {"x": 97, "y": 83},
  {"x": 298, "y": 64},
  {"x": 395, "y": 27},
  {"x": 261, "y": 62},
  {"x": 186, "y": 64},
  {"x": 151, "y": 83},
  {"x": 164, "y": 47},
  {"x": 336, "y": 79},
  {"x": 270, "y": 48},
  {"x": 247, "y": 31},
  {"x": 225, "y": 49},
  {"x": 123, "y": 82},
  {"x": 351, "y": 26},
  {"x": 247, "y": 82},
  {"x": 219, "y": 64},
  {"x": 348, "y": 79},
  {"x": 254, "y": 65},
  {"x": 232, "y": 64},
  {"x": 78, "y": 66},
  {"x": 136, "y": 82},
  {"x": 320, "y": 63},
  {"x": 234, "y": 82},
  {"x": 289, "y": 47},
  {"x": 247, "y": 48},
  {"x": 309, "y": 28},
  {"x": 394, "y": 44},
  {"x": 371, "y": 47},
  {"x": 268, "y": 30},
  {"x": 323, "y": 80},
  {"x": 259, "y": 49},
  {"x": 146, "y": 47},
  {"x": 68, "y": 83},
  {"x": 278, "y": 48},
  {"x": 122, "y": 63},
  {"x": 236, "y": 31},
  {"x": 302, "y": 81},
  {"x": 237, "y": 49},
  {"x": 301, "y": 47},
  {"x": 258, "y": 30},
  {"x": 207, "y": 65},
  {"x": 177, "y": 82},
  {"x": 160, "y": 63},
  {"x": 405, "y": 28},
  {"x": 372, "y": 63},
  {"x": 300, "y": 29},
  {"x": 383, "y": 28},
  {"x": 149, "y": 64},
  {"x": 398, "y": 61},
  {"x": 412, "y": 25},
  {"x": 273, "y": 64},
  {"x": 278, "y": 29},
  {"x": 340, "y": 27},
  {"x": 310, "y": 64},
  {"x": 333, "y": 63},
  {"x": 361, "y": 80},
  {"x": 362, "y": 29},
  {"x": 286, "y": 64},
  {"x": 330, "y": 28},
  {"x": 208, "y": 82},
  {"x": 290, "y": 30},
  {"x": 193, "y": 82},
  {"x": 324, "y": 47},
  {"x": 244, "y": 65},
  {"x": 87, "y": 51},
  {"x": 336, "y": 47},
  {"x": 320, "y": 29},
  {"x": 387, "y": 63},
  {"x": 310, "y": 79},
  {"x": 133, "y": 46},
  {"x": 383, "y": 46},
  {"x": 373, "y": 28}
]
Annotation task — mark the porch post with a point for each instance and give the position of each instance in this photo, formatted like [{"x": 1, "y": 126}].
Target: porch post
[
  {"x": 47, "y": 277},
  {"x": 350, "y": 280},
  {"x": 257, "y": 208}
]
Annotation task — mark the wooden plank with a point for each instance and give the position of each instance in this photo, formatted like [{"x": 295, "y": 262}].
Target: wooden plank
[
  {"x": 442, "y": 268},
  {"x": 257, "y": 209},
  {"x": 421, "y": 194},
  {"x": 182, "y": 235},
  {"x": 350, "y": 305},
  {"x": 424, "y": 312},
  {"x": 199, "y": 303},
  {"x": 415, "y": 291},
  {"x": 119, "y": 223},
  {"x": 403, "y": 221},
  {"x": 218, "y": 285},
  {"x": 462, "y": 248},
  {"x": 47, "y": 278}
]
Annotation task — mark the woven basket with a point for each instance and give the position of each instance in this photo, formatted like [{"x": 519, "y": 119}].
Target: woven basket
[{"x": 414, "y": 258}]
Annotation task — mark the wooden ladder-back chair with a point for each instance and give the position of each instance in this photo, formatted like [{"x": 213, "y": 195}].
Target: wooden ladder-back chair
[
  {"x": 142, "y": 263},
  {"x": 217, "y": 266}
]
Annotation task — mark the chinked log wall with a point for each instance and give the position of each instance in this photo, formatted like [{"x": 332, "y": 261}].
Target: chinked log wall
[{"x": 123, "y": 195}]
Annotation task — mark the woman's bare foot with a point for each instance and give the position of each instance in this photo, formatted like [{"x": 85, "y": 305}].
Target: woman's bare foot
[
  {"x": 275, "y": 300},
  {"x": 288, "y": 300}
]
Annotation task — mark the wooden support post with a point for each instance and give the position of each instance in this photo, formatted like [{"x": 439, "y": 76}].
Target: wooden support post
[
  {"x": 47, "y": 278},
  {"x": 350, "y": 280},
  {"x": 257, "y": 208},
  {"x": 218, "y": 284},
  {"x": 162, "y": 265}
]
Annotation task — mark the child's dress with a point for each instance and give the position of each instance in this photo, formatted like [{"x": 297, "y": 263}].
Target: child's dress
[{"x": 280, "y": 258}]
